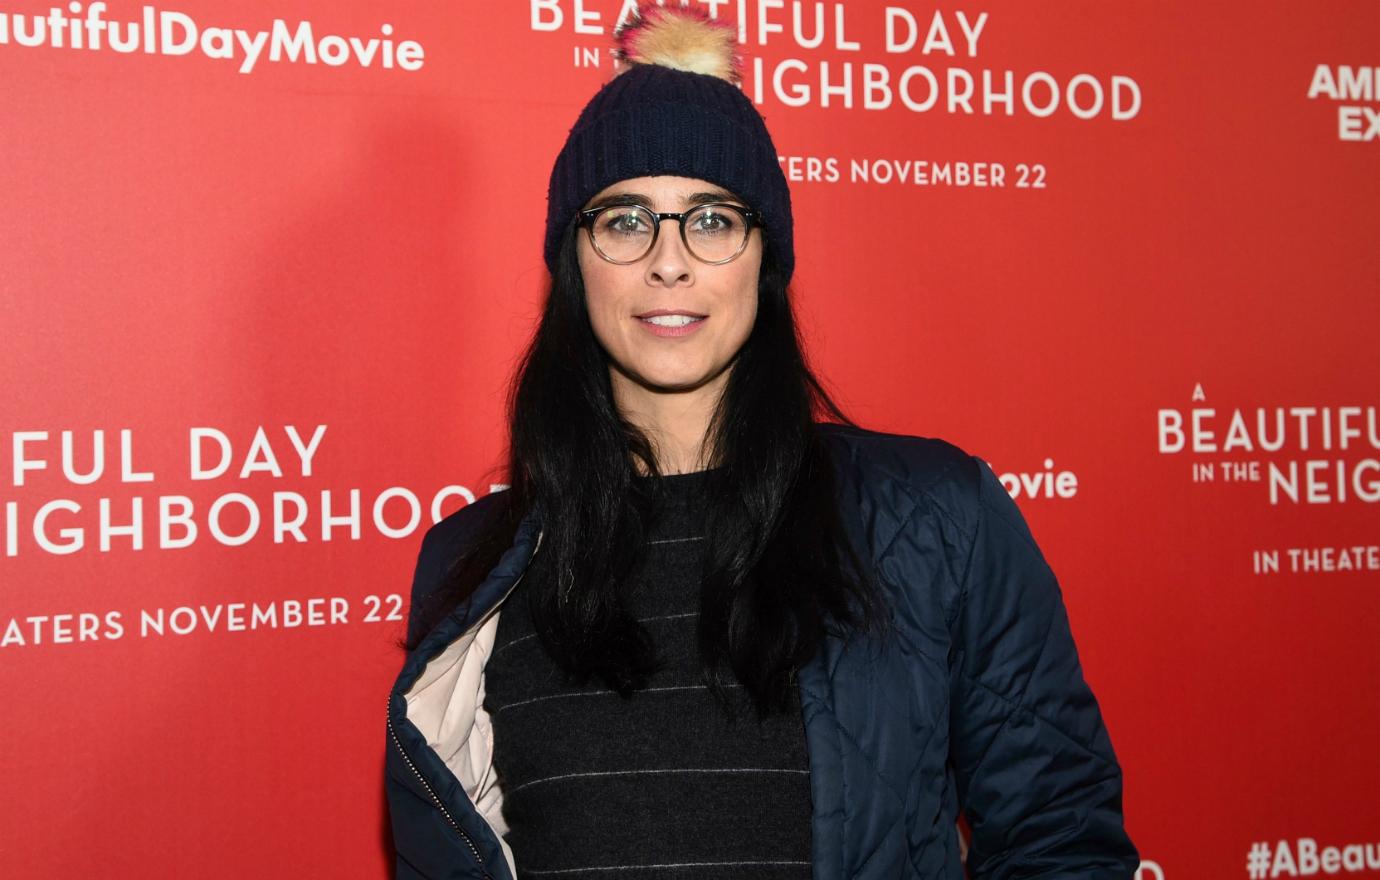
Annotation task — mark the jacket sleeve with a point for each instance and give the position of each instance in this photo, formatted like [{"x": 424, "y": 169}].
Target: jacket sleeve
[{"x": 1034, "y": 765}]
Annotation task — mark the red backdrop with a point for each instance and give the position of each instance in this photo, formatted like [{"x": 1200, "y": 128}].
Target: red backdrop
[{"x": 1147, "y": 295}]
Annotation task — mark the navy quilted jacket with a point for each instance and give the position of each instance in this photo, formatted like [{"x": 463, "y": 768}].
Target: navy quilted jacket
[{"x": 977, "y": 702}]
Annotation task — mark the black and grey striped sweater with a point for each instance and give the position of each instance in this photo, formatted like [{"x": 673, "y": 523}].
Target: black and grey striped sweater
[{"x": 661, "y": 785}]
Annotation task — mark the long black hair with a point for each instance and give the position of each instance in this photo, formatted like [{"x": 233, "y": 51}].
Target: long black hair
[{"x": 778, "y": 569}]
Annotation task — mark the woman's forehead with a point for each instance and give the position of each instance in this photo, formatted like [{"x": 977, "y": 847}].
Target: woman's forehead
[{"x": 665, "y": 190}]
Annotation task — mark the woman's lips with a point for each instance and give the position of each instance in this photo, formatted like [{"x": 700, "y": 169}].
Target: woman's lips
[{"x": 664, "y": 330}]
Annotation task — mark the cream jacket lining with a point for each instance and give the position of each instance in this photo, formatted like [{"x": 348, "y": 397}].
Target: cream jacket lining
[{"x": 447, "y": 705}]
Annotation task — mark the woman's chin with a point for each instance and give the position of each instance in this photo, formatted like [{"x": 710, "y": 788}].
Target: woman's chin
[
  {"x": 675, "y": 384},
  {"x": 678, "y": 381}
]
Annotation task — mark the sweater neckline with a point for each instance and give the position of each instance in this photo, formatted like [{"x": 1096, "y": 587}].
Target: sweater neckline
[
  {"x": 676, "y": 487},
  {"x": 677, "y": 479}
]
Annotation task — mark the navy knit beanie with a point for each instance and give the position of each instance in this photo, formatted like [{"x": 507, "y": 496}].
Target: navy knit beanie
[{"x": 654, "y": 118}]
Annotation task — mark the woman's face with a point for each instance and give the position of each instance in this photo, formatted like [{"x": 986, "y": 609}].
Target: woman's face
[{"x": 668, "y": 279}]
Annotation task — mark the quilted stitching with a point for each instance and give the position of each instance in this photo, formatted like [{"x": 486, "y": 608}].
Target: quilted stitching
[{"x": 1015, "y": 707}]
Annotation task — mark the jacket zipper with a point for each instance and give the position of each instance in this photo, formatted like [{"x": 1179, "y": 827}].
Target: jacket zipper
[{"x": 469, "y": 842}]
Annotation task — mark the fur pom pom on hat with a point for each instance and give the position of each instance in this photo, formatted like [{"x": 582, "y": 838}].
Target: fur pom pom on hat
[
  {"x": 681, "y": 38},
  {"x": 673, "y": 107}
]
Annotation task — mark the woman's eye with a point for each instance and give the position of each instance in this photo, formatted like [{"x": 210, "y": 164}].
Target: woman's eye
[
  {"x": 714, "y": 223},
  {"x": 625, "y": 223}
]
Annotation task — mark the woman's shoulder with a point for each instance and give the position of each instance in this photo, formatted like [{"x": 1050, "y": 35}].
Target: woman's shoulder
[
  {"x": 456, "y": 530},
  {"x": 447, "y": 539},
  {"x": 905, "y": 474},
  {"x": 890, "y": 468}
]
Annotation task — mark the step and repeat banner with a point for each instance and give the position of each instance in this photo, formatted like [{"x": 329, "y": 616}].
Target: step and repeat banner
[{"x": 266, "y": 268}]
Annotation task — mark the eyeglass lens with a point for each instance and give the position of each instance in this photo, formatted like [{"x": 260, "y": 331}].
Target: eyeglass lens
[{"x": 624, "y": 233}]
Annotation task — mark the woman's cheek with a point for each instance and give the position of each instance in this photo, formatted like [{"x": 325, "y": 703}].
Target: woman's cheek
[{"x": 605, "y": 328}]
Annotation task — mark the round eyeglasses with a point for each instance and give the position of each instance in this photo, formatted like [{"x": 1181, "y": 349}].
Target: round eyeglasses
[{"x": 714, "y": 233}]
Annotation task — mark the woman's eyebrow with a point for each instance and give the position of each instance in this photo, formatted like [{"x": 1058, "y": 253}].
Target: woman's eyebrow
[{"x": 699, "y": 198}]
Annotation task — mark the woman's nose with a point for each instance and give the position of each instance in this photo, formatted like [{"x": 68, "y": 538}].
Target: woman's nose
[{"x": 669, "y": 262}]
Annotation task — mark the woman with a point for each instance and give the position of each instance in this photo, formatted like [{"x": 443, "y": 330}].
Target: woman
[{"x": 733, "y": 641}]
